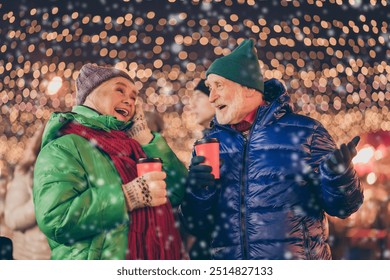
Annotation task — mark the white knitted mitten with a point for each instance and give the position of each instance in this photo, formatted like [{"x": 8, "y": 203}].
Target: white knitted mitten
[
  {"x": 140, "y": 130},
  {"x": 147, "y": 190}
]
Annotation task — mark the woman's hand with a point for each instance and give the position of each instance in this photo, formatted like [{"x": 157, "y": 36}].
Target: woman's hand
[
  {"x": 140, "y": 130},
  {"x": 147, "y": 190}
]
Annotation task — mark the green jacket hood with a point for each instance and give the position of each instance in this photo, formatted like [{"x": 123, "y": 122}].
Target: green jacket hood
[{"x": 82, "y": 115}]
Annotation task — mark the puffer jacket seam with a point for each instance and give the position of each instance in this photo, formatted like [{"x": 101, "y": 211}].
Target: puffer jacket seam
[
  {"x": 312, "y": 137},
  {"x": 306, "y": 240},
  {"x": 59, "y": 145},
  {"x": 102, "y": 244},
  {"x": 63, "y": 147}
]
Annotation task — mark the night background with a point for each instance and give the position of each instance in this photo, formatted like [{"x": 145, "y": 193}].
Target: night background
[{"x": 333, "y": 57}]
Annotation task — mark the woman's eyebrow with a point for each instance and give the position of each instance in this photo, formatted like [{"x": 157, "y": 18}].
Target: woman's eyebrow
[
  {"x": 135, "y": 92},
  {"x": 121, "y": 84}
]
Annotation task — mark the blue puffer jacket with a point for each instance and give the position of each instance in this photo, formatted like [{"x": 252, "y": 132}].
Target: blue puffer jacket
[{"x": 274, "y": 189}]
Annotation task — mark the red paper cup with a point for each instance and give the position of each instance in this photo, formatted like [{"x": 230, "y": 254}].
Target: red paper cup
[
  {"x": 145, "y": 165},
  {"x": 209, "y": 148}
]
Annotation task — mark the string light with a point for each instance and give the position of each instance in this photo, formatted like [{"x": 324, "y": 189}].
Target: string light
[{"x": 336, "y": 71}]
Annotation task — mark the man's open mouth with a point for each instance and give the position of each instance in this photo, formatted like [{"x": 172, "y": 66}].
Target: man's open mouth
[{"x": 122, "y": 112}]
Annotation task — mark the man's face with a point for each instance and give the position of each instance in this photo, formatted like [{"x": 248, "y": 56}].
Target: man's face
[
  {"x": 115, "y": 97},
  {"x": 228, "y": 99},
  {"x": 201, "y": 107}
]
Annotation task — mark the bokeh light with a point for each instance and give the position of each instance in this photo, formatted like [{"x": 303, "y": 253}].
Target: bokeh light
[
  {"x": 54, "y": 85},
  {"x": 332, "y": 55}
]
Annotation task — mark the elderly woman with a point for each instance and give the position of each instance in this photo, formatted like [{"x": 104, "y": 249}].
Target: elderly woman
[{"x": 88, "y": 199}]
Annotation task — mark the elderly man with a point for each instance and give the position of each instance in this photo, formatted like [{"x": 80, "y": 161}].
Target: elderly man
[{"x": 281, "y": 171}]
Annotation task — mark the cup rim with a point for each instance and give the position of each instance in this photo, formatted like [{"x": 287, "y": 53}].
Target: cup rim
[
  {"x": 147, "y": 160},
  {"x": 206, "y": 140}
]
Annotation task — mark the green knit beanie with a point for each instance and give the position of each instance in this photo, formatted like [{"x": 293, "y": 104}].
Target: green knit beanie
[{"x": 240, "y": 66}]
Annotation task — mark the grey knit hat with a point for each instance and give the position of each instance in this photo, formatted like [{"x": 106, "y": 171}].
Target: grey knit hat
[{"x": 91, "y": 76}]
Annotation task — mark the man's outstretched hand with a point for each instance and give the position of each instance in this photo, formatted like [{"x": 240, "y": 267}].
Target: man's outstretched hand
[{"x": 341, "y": 158}]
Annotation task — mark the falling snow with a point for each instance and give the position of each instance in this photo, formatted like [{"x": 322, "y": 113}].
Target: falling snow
[{"x": 36, "y": 47}]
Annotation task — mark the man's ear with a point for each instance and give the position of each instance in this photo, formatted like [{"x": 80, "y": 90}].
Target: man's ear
[{"x": 249, "y": 92}]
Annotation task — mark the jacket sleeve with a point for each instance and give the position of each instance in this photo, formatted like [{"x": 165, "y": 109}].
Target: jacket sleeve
[
  {"x": 197, "y": 209},
  {"x": 175, "y": 169},
  {"x": 70, "y": 205},
  {"x": 341, "y": 194},
  {"x": 19, "y": 208}
]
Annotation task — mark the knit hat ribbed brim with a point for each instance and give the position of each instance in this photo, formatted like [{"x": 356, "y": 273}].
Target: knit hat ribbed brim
[
  {"x": 91, "y": 76},
  {"x": 240, "y": 66}
]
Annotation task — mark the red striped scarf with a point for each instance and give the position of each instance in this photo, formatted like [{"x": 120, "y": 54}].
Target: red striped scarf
[{"x": 152, "y": 234}]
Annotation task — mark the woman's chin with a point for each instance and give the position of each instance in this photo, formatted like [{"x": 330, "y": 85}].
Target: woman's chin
[{"x": 131, "y": 116}]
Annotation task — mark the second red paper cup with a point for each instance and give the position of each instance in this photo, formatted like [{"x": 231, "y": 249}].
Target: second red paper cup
[
  {"x": 145, "y": 165},
  {"x": 209, "y": 148}
]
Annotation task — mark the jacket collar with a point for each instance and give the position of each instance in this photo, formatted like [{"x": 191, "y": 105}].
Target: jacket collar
[
  {"x": 267, "y": 115},
  {"x": 85, "y": 116},
  {"x": 92, "y": 118}
]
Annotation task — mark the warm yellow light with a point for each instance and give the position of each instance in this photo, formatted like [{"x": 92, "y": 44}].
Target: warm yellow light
[
  {"x": 371, "y": 178},
  {"x": 54, "y": 86},
  {"x": 378, "y": 155},
  {"x": 364, "y": 155}
]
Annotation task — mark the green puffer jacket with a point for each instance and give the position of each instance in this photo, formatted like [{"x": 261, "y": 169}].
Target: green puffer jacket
[{"x": 78, "y": 198}]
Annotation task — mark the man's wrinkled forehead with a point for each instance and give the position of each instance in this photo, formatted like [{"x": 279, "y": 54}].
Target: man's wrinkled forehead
[{"x": 213, "y": 78}]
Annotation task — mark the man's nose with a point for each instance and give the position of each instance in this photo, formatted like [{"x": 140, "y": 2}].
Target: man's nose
[{"x": 213, "y": 96}]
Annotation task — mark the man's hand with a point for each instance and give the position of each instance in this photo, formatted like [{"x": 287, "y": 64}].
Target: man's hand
[
  {"x": 146, "y": 190},
  {"x": 341, "y": 158},
  {"x": 140, "y": 130},
  {"x": 200, "y": 176}
]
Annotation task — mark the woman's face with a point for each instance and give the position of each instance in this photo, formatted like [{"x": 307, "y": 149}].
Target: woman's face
[
  {"x": 115, "y": 97},
  {"x": 202, "y": 108}
]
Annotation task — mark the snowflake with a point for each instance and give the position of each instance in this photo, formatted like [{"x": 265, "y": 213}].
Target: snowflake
[
  {"x": 288, "y": 255},
  {"x": 100, "y": 182},
  {"x": 206, "y": 6},
  {"x": 175, "y": 48},
  {"x": 113, "y": 199}
]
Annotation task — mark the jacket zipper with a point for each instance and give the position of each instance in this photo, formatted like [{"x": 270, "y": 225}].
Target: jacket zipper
[
  {"x": 243, "y": 184},
  {"x": 242, "y": 206},
  {"x": 242, "y": 192}
]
